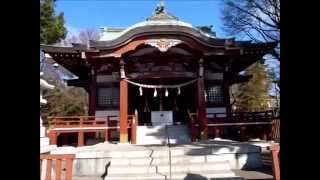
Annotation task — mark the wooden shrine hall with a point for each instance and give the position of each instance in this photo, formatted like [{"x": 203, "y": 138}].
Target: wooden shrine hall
[{"x": 159, "y": 72}]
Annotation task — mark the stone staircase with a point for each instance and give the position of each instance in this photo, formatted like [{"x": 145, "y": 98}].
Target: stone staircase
[
  {"x": 150, "y": 135},
  {"x": 157, "y": 166},
  {"x": 212, "y": 159}
]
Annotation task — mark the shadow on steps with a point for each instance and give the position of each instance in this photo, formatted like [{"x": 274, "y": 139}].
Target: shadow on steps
[{"x": 191, "y": 176}]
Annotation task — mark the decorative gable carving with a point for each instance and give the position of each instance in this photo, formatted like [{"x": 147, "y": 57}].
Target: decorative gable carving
[{"x": 163, "y": 44}]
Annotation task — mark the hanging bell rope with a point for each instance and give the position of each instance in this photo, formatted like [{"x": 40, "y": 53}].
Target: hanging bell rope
[{"x": 161, "y": 86}]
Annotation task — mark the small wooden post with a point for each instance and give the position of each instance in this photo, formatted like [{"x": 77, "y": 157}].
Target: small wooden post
[
  {"x": 106, "y": 134},
  {"x": 58, "y": 169},
  {"x": 48, "y": 158},
  {"x": 81, "y": 122},
  {"x": 275, "y": 161},
  {"x": 80, "y": 138},
  {"x": 53, "y": 135},
  {"x": 216, "y": 132},
  {"x": 48, "y": 169},
  {"x": 243, "y": 133},
  {"x": 134, "y": 127},
  {"x": 191, "y": 126},
  {"x": 40, "y": 167},
  {"x": 69, "y": 168}
]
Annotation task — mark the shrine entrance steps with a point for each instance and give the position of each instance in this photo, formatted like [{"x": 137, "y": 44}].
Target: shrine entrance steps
[
  {"x": 200, "y": 160},
  {"x": 159, "y": 135}
]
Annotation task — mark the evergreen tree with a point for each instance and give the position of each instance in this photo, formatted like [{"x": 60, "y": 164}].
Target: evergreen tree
[
  {"x": 62, "y": 101},
  {"x": 65, "y": 101},
  {"x": 254, "y": 95},
  {"x": 51, "y": 26}
]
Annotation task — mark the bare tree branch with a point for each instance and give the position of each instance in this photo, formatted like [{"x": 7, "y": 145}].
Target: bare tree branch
[
  {"x": 259, "y": 20},
  {"x": 256, "y": 17}
]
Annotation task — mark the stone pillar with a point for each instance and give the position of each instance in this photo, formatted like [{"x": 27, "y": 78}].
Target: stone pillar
[{"x": 202, "y": 114}]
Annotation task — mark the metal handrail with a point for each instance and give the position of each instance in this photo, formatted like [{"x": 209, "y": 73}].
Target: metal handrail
[{"x": 169, "y": 145}]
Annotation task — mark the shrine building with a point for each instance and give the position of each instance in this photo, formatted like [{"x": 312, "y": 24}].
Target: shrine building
[{"x": 155, "y": 75}]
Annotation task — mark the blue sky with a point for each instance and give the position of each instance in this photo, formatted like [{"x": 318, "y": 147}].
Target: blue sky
[{"x": 82, "y": 14}]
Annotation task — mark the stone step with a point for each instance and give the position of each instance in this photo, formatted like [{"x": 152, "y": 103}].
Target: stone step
[
  {"x": 176, "y": 176},
  {"x": 97, "y": 166},
  {"x": 164, "y": 151},
  {"x": 174, "y": 160},
  {"x": 165, "y": 168}
]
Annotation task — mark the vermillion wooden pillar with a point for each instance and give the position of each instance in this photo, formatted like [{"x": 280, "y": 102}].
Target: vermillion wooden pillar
[
  {"x": 80, "y": 138},
  {"x": 226, "y": 95},
  {"x": 92, "y": 94},
  {"x": 53, "y": 136},
  {"x": 106, "y": 132},
  {"x": 202, "y": 114},
  {"x": 123, "y": 111}
]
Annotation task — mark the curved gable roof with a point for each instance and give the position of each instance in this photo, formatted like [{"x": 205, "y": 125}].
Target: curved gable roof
[{"x": 159, "y": 23}]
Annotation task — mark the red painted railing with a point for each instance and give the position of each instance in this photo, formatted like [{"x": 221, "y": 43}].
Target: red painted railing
[
  {"x": 249, "y": 124},
  {"x": 275, "y": 131},
  {"x": 59, "y": 163},
  {"x": 82, "y": 121}
]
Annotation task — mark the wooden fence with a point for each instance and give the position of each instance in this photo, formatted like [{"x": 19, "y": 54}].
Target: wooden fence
[{"x": 55, "y": 166}]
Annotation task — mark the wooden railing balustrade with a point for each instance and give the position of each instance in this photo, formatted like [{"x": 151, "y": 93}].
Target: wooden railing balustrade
[
  {"x": 81, "y": 124},
  {"x": 275, "y": 131},
  {"x": 60, "y": 163},
  {"x": 80, "y": 121},
  {"x": 261, "y": 123}
]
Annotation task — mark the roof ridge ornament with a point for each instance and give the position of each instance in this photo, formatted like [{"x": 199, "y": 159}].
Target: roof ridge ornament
[
  {"x": 160, "y": 8},
  {"x": 160, "y": 13}
]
